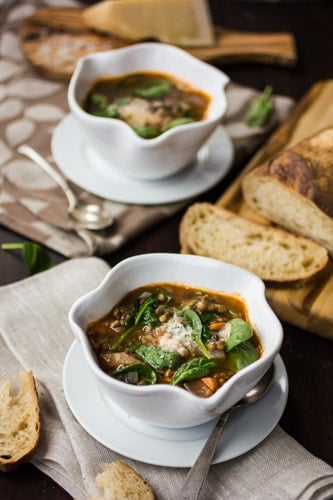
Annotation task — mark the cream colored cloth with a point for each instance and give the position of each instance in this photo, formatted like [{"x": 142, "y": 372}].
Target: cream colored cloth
[
  {"x": 31, "y": 106},
  {"x": 35, "y": 334}
]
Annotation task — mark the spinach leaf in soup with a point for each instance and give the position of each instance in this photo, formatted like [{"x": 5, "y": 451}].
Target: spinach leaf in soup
[
  {"x": 143, "y": 313},
  {"x": 178, "y": 121},
  {"x": 146, "y": 132},
  {"x": 153, "y": 90},
  {"x": 241, "y": 356},
  {"x": 194, "y": 368},
  {"x": 157, "y": 357},
  {"x": 240, "y": 331},
  {"x": 149, "y": 102},
  {"x": 194, "y": 319},
  {"x": 134, "y": 373},
  {"x": 175, "y": 334}
]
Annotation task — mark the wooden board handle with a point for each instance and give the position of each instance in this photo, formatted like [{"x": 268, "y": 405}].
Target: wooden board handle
[
  {"x": 61, "y": 19},
  {"x": 231, "y": 46},
  {"x": 242, "y": 46}
]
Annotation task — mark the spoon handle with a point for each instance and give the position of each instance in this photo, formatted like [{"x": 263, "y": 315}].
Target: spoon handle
[
  {"x": 198, "y": 473},
  {"x": 29, "y": 152}
]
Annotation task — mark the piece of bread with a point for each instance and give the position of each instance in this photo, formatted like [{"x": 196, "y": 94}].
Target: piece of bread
[
  {"x": 56, "y": 55},
  {"x": 119, "y": 481},
  {"x": 19, "y": 420},
  {"x": 294, "y": 189},
  {"x": 276, "y": 256}
]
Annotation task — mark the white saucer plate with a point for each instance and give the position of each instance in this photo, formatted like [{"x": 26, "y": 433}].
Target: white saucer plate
[
  {"x": 85, "y": 167},
  {"x": 167, "y": 447}
]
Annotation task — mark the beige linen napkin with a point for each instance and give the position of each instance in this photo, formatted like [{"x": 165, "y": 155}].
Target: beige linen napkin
[
  {"x": 35, "y": 334},
  {"x": 31, "y": 106}
]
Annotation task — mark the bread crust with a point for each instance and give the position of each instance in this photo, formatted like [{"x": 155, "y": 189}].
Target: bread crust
[
  {"x": 295, "y": 188},
  {"x": 15, "y": 449},
  {"x": 307, "y": 168},
  {"x": 119, "y": 481},
  {"x": 271, "y": 253}
]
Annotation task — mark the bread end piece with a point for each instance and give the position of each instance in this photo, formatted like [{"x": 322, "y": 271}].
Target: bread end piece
[
  {"x": 119, "y": 481},
  {"x": 278, "y": 257},
  {"x": 19, "y": 420},
  {"x": 294, "y": 189}
]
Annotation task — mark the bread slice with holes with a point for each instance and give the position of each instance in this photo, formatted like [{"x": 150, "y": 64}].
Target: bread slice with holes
[
  {"x": 294, "y": 189},
  {"x": 19, "y": 420},
  {"x": 119, "y": 481},
  {"x": 275, "y": 255}
]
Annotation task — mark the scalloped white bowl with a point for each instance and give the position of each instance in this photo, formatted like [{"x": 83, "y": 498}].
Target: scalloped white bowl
[
  {"x": 114, "y": 140},
  {"x": 165, "y": 405}
]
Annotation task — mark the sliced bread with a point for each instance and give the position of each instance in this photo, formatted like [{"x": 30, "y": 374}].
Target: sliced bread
[
  {"x": 276, "y": 256},
  {"x": 119, "y": 481},
  {"x": 19, "y": 420},
  {"x": 294, "y": 189}
]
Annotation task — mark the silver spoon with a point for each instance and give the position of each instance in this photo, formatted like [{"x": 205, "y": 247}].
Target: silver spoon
[
  {"x": 195, "y": 479},
  {"x": 89, "y": 216}
]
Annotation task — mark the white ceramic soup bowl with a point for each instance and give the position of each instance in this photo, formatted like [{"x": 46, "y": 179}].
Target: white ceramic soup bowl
[
  {"x": 116, "y": 141},
  {"x": 166, "y": 405}
]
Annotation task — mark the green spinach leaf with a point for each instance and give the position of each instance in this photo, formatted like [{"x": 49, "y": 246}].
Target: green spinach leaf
[
  {"x": 34, "y": 255},
  {"x": 206, "y": 318},
  {"x": 179, "y": 121},
  {"x": 157, "y": 357},
  {"x": 145, "y": 315},
  {"x": 146, "y": 132},
  {"x": 143, "y": 372},
  {"x": 240, "y": 332},
  {"x": 195, "y": 368},
  {"x": 153, "y": 90},
  {"x": 99, "y": 100},
  {"x": 241, "y": 356},
  {"x": 261, "y": 109},
  {"x": 194, "y": 319}
]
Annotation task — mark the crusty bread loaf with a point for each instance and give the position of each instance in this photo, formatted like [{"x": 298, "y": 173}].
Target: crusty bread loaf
[
  {"x": 119, "y": 481},
  {"x": 19, "y": 420},
  {"x": 295, "y": 189},
  {"x": 276, "y": 256}
]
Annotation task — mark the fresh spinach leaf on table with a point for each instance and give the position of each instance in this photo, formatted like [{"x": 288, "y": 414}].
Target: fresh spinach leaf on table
[
  {"x": 34, "y": 255},
  {"x": 260, "y": 109}
]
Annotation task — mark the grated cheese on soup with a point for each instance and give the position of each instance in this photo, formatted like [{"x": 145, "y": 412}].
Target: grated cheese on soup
[{"x": 177, "y": 337}]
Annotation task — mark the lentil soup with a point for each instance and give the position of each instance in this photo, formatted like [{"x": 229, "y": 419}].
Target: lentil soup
[
  {"x": 169, "y": 333},
  {"x": 149, "y": 102}
]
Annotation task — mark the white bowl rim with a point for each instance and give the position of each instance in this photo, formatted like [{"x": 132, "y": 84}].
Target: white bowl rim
[
  {"x": 120, "y": 123},
  {"x": 204, "y": 403}
]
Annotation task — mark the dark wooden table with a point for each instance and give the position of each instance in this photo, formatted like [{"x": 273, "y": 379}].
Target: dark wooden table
[{"x": 308, "y": 358}]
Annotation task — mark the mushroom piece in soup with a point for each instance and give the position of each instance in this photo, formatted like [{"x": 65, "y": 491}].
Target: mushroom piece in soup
[
  {"x": 149, "y": 102},
  {"x": 169, "y": 333}
]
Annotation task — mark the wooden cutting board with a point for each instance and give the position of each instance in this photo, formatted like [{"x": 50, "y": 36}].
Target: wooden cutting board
[
  {"x": 54, "y": 38},
  {"x": 309, "y": 307}
]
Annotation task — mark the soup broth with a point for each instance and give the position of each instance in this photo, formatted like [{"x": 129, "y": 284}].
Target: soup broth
[
  {"x": 169, "y": 333},
  {"x": 149, "y": 102}
]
